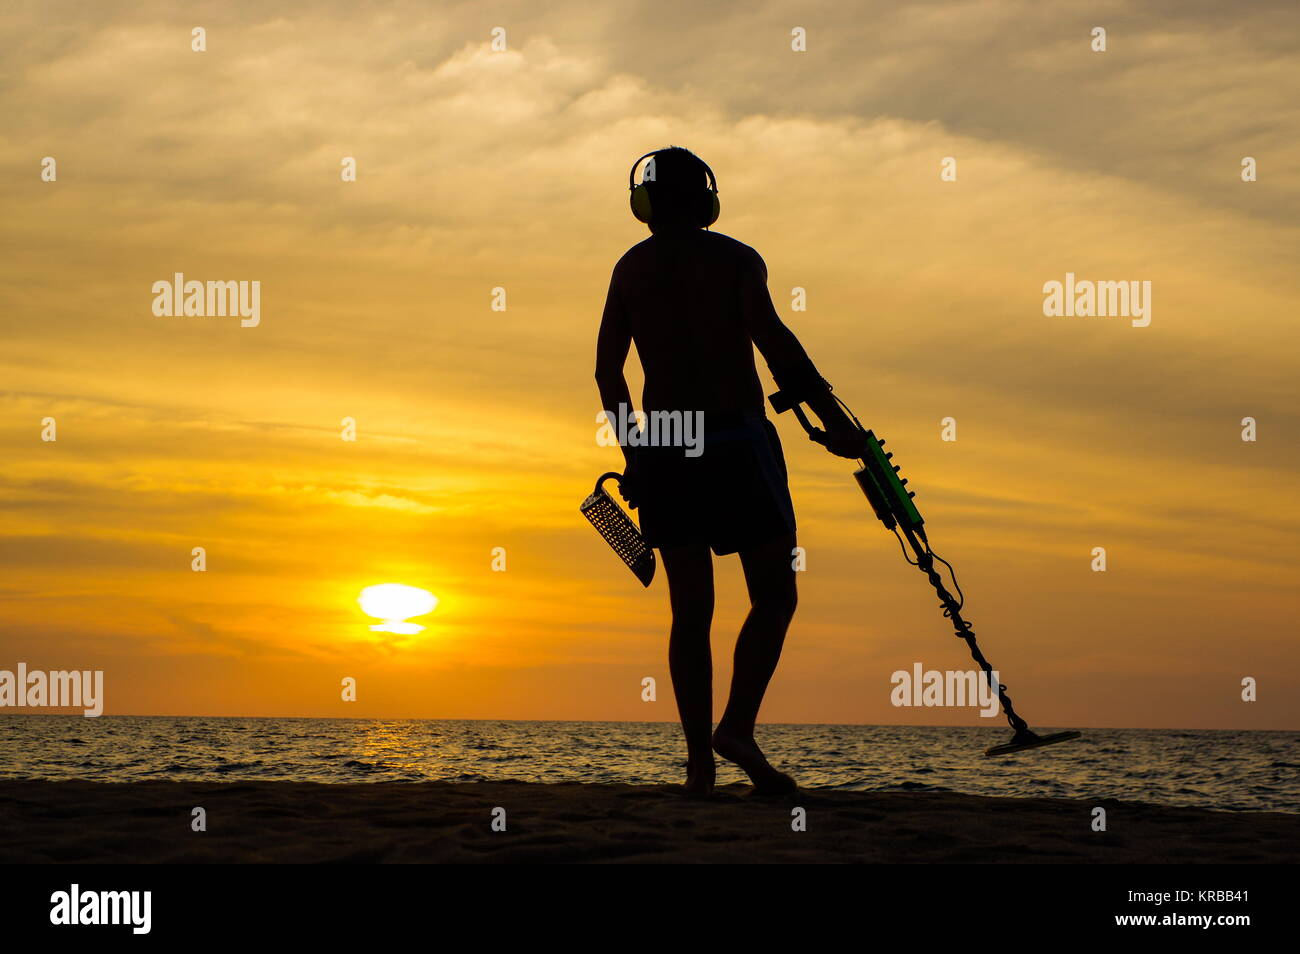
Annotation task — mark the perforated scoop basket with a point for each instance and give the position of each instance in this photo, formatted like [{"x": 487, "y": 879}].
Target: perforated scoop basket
[{"x": 619, "y": 531}]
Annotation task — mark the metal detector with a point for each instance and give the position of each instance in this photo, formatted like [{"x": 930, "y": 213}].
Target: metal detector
[{"x": 893, "y": 503}]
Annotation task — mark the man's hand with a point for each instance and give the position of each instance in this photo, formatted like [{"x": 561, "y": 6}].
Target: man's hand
[
  {"x": 846, "y": 441},
  {"x": 843, "y": 437},
  {"x": 629, "y": 487}
]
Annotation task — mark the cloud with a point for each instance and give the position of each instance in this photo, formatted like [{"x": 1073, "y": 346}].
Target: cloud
[{"x": 480, "y": 169}]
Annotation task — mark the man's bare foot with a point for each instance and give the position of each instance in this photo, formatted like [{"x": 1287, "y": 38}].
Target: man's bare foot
[
  {"x": 746, "y": 753},
  {"x": 700, "y": 776}
]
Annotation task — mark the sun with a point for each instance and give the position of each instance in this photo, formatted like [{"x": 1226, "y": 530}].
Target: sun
[{"x": 394, "y": 603}]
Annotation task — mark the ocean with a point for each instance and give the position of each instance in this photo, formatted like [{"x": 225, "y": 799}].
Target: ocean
[{"x": 1224, "y": 770}]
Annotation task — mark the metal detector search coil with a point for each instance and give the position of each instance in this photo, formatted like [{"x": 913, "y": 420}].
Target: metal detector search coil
[{"x": 619, "y": 531}]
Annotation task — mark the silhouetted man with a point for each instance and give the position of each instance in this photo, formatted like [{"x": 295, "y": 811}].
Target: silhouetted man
[{"x": 696, "y": 303}]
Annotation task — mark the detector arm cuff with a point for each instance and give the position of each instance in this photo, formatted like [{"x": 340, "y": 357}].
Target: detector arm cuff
[{"x": 797, "y": 384}]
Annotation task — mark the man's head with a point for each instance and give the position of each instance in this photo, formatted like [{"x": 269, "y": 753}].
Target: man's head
[{"x": 677, "y": 191}]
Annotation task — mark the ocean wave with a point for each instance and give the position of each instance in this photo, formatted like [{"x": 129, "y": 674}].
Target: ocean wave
[{"x": 1240, "y": 771}]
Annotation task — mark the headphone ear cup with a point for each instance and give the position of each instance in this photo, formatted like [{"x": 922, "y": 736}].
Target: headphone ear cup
[
  {"x": 715, "y": 209},
  {"x": 641, "y": 206}
]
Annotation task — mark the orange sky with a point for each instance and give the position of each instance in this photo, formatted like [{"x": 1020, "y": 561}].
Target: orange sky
[{"x": 480, "y": 169}]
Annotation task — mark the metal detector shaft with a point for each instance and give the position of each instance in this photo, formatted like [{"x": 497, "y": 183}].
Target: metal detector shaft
[{"x": 952, "y": 609}]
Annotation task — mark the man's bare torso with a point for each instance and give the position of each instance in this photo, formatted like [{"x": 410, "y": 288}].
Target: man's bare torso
[{"x": 680, "y": 295}]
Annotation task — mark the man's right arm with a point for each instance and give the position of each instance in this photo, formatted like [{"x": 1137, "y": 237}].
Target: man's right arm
[{"x": 612, "y": 346}]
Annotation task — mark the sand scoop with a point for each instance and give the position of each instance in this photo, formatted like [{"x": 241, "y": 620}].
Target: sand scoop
[{"x": 619, "y": 531}]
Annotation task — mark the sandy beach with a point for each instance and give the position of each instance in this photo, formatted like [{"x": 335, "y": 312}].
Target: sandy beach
[{"x": 91, "y": 822}]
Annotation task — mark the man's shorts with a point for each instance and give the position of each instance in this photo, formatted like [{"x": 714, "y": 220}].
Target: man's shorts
[{"x": 733, "y": 496}]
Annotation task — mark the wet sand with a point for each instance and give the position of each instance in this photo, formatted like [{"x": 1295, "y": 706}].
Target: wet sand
[{"x": 93, "y": 822}]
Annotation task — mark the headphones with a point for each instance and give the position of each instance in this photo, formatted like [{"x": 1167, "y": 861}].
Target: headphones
[{"x": 643, "y": 209}]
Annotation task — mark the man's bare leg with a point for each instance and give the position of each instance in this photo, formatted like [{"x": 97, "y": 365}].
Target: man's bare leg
[
  {"x": 769, "y": 576},
  {"x": 690, "y": 661}
]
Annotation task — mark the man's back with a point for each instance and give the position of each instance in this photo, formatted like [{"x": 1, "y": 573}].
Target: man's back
[{"x": 680, "y": 293}]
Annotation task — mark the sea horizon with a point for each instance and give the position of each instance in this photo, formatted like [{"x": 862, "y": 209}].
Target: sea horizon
[
  {"x": 1220, "y": 769},
  {"x": 1000, "y": 726}
]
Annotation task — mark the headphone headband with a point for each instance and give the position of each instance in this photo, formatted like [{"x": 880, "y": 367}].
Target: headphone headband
[{"x": 631, "y": 176}]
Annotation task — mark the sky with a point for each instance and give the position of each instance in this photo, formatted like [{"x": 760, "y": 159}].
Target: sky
[{"x": 479, "y": 169}]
